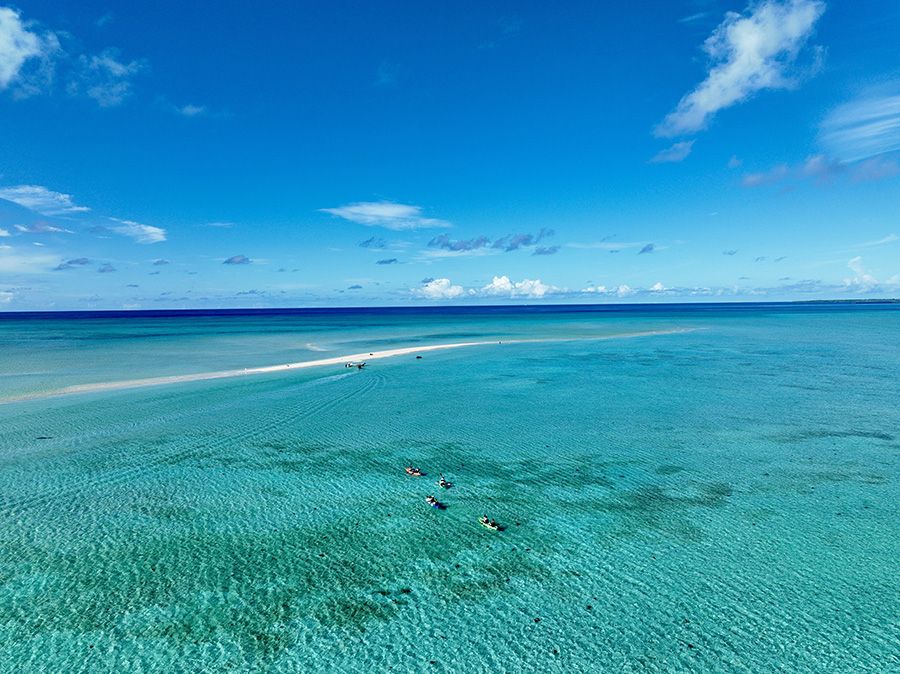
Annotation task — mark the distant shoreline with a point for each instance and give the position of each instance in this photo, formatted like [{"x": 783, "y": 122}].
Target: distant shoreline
[
  {"x": 649, "y": 307},
  {"x": 305, "y": 364}
]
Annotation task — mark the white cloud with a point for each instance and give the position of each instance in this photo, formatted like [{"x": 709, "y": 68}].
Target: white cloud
[
  {"x": 105, "y": 78},
  {"x": 5, "y": 297},
  {"x": 863, "y": 281},
  {"x": 599, "y": 290},
  {"x": 677, "y": 152},
  {"x": 18, "y": 47},
  {"x": 863, "y": 128},
  {"x": 40, "y": 199},
  {"x": 29, "y": 60},
  {"x": 138, "y": 232},
  {"x": 748, "y": 53},
  {"x": 625, "y": 290},
  {"x": 501, "y": 285},
  {"x": 386, "y": 214},
  {"x": 4, "y": 232},
  {"x": 439, "y": 289},
  {"x": 657, "y": 288}
]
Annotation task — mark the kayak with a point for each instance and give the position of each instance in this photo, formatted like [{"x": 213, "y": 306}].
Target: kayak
[{"x": 492, "y": 527}]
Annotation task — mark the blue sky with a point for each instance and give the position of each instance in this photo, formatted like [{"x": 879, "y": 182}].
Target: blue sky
[{"x": 158, "y": 155}]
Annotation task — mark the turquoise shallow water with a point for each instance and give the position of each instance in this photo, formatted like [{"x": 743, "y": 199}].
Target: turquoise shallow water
[{"x": 723, "y": 500}]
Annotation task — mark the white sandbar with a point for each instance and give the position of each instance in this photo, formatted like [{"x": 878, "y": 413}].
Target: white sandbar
[{"x": 321, "y": 362}]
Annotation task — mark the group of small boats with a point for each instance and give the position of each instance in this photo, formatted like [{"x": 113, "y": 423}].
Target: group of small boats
[{"x": 443, "y": 483}]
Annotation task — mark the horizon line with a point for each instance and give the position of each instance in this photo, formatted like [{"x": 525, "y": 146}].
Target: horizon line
[{"x": 606, "y": 305}]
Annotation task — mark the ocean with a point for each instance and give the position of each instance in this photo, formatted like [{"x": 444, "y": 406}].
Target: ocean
[{"x": 681, "y": 488}]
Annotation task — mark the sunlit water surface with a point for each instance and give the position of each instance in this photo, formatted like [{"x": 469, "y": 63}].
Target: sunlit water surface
[{"x": 721, "y": 500}]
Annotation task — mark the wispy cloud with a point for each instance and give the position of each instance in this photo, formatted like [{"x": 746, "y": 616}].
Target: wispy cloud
[
  {"x": 160, "y": 262},
  {"x": 13, "y": 261},
  {"x": 517, "y": 241},
  {"x": 675, "y": 153},
  {"x": 106, "y": 268},
  {"x": 387, "y": 74},
  {"x": 42, "y": 228},
  {"x": 237, "y": 259},
  {"x": 546, "y": 250},
  {"x": 691, "y": 18},
  {"x": 862, "y": 128},
  {"x": 105, "y": 77},
  {"x": 890, "y": 238},
  {"x": 444, "y": 242},
  {"x": 649, "y": 248},
  {"x": 390, "y": 260},
  {"x": 139, "y": 232},
  {"x": 386, "y": 214},
  {"x": 611, "y": 246},
  {"x": 72, "y": 264},
  {"x": 481, "y": 245},
  {"x": 373, "y": 242},
  {"x": 32, "y": 60},
  {"x": 41, "y": 200},
  {"x": 191, "y": 110},
  {"x": 824, "y": 170},
  {"x": 876, "y": 168},
  {"x": 748, "y": 53},
  {"x": 729, "y": 252}
]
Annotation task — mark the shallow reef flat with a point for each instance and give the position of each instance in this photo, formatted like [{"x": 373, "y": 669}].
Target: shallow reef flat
[{"x": 718, "y": 500}]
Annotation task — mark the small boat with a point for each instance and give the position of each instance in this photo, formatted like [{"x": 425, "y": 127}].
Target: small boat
[
  {"x": 358, "y": 366},
  {"x": 415, "y": 472},
  {"x": 444, "y": 484},
  {"x": 490, "y": 524},
  {"x": 434, "y": 503}
]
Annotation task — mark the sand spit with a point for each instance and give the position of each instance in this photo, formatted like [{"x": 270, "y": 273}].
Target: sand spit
[{"x": 322, "y": 362}]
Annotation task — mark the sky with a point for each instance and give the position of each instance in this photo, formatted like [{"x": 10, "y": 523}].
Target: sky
[{"x": 184, "y": 155}]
